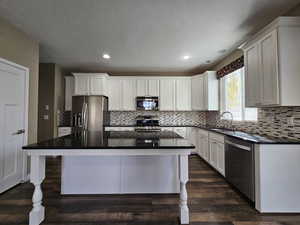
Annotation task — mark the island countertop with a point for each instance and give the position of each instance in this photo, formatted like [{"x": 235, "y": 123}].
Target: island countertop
[{"x": 115, "y": 140}]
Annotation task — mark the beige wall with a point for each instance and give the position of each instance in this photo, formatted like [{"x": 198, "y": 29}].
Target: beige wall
[
  {"x": 294, "y": 12},
  {"x": 51, "y": 93},
  {"x": 19, "y": 48},
  {"x": 228, "y": 59}
]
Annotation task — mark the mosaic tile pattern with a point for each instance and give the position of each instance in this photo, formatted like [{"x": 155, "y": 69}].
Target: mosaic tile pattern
[
  {"x": 271, "y": 122},
  {"x": 165, "y": 118}
]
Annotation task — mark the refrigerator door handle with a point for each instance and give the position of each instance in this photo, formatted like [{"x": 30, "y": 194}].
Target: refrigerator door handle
[
  {"x": 86, "y": 116},
  {"x": 82, "y": 116}
]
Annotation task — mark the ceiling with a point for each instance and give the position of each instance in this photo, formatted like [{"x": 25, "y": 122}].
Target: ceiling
[{"x": 149, "y": 36}]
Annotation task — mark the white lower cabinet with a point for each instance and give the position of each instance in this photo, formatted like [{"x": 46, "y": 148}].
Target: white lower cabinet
[
  {"x": 217, "y": 152},
  {"x": 203, "y": 144}
]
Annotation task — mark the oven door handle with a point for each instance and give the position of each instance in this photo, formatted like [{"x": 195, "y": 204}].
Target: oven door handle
[{"x": 238, "y": 146}]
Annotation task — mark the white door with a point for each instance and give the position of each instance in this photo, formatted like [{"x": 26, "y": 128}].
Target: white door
[
  {"x": 269, "y": 71},
  {"x": 183, "y": 94},
  {"x": 167, "y": 95},
  {"x": 13, "y": 99}
]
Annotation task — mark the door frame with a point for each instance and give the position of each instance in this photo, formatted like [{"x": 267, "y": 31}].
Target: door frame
[{"x": 25, "y": 176}]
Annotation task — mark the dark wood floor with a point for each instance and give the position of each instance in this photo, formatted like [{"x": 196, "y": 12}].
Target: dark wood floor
[{"x": 211, "y": 201}]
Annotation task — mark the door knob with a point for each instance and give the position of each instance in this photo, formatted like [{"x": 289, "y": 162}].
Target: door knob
[{"x": 22, "y": 131}]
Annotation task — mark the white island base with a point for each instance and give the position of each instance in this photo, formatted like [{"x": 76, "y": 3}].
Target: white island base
[
  {"x": 119, "y": 175},
  {"x": 37, "y": 174}
]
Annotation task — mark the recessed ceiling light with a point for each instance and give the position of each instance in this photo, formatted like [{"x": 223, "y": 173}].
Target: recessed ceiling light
[
  {"x": 186, "y": 57},
  {"x": 106, "y": 56}
]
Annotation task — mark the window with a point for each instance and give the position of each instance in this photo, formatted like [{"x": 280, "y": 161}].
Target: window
[{"x": 233, "y": 97}]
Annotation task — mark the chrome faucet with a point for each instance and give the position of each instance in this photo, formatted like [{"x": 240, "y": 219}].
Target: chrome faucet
[{"x": 227, "y": 112}]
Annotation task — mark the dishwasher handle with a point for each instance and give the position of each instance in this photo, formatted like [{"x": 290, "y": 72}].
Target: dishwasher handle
[{"x": 238, "y": 146}]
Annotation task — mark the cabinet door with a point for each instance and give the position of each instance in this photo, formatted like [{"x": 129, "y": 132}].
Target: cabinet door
[
  {"x": 252, "y": 78},
  {"x": 197, "y": 93},
  {"x": 153, "y": 87},
  {"x": 181, "y": 131},
  {"x": 183, "y": 94},
  {"x": 205, "y": 149},
  {"x": 114, "y": 94},
  {"x": 204, "y": 103},
  {"x": 98, "y": 85},
  {"x": 69, "y": 92},
  {"x": 142, "y": 87},
  {"x": 128, "y": 94},
  {"x": 167, "y": 95},
  {"x": 221, "y": 158},
  {"x": 213, "y": 149},
  {"x": 82, "y": 85},
  {"x": 269, "y": 71}
]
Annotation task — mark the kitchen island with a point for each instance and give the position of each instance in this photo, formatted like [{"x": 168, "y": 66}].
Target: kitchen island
[{"x": 110, "y": 144}]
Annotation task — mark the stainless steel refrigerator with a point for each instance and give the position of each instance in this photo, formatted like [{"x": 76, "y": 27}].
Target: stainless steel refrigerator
[{"x": 89, "y": 113}]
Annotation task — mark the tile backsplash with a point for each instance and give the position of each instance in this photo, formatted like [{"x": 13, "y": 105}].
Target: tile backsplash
[
  {"x": 271, "y": 122},
  {"x": 165, "y": 118}
]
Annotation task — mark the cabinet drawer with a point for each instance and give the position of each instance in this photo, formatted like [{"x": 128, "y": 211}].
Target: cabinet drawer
[{"x": 216, "y": 137}]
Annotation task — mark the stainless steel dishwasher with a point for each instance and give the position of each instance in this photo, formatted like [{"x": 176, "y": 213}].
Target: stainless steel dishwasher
[{"x": 239, "y": 166}]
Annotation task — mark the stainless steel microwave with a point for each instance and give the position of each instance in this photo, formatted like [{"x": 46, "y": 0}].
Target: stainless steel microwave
[{"x": 146, "y": 103}]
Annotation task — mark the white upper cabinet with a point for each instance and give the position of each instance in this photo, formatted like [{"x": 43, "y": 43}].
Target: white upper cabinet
[
  {"x": 153, "y": 87},
  {"x": 272, "y": 66},
  {"x": 98, "y": 85},
  {"x": 205, "y": 92},
  {"x": 269, "y": 72},
  {"x": 183, "y": 94},
  {"x": 142, "y": 87},
  {"x": 252, "y": 80},
  {"x": 114, "y": 94},
  {"x": 167, "y": 95},
  {"x": 82, "y": 85},
  {"x": 128, "y": 94},
  {"x": 69, "y": 92},
  {"x": 90, "y": 84},
  {"x": 147, "y": 87}
]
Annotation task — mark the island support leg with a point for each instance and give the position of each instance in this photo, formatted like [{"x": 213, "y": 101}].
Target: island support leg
[
  {"x": 37, "y": 175},
  {"x": 183, "y": 177}
]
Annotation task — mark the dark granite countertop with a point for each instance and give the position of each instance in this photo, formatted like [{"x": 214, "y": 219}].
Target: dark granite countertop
[
  {"x": 254, "y": 138},
  {"x": 116, "y": 140}
]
